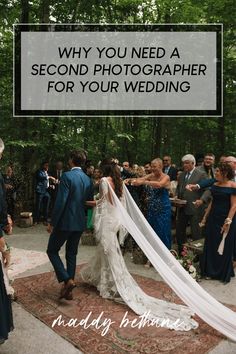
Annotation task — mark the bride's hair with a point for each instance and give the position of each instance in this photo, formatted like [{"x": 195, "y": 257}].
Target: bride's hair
[{"x": 110, "y": 169}]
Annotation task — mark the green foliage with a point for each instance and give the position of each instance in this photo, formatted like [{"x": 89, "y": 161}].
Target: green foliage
[{"x": 29, "y": 140}]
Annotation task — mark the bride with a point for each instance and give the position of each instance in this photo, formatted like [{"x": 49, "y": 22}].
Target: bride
[{"x": 117, "y": 212}]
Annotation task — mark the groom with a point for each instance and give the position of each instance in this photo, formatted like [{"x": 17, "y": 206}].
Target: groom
[{"x": 68, "y": 221}]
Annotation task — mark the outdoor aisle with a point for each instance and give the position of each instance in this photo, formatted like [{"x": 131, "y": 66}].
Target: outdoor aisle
[{"x": 28, "y": 332}]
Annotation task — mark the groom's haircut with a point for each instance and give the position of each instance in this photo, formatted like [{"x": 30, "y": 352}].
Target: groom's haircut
[
  {"x": 78, "y": 157},
  {"x": 2, "y": 146}
]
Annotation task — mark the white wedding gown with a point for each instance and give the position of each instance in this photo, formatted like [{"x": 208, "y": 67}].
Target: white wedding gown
[{"x": 108, "y": 272}]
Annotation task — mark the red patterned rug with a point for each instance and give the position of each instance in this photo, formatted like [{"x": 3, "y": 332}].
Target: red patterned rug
[{"x": 38, "y": 294}]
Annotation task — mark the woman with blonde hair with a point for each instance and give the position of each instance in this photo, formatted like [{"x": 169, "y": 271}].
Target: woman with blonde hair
[{"x": 158, "y": 212}]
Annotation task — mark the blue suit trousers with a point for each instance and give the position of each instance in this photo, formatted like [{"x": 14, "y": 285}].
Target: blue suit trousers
[{"x": 56, "y": 241}]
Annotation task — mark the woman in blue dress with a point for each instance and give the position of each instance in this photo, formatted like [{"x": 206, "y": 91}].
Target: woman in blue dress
[
  {"x": 220, "y": 219},
  {"x": 158, "y": 211}
]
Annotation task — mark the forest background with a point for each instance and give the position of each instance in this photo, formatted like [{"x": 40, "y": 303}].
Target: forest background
[{"x": 29, "y": 140}]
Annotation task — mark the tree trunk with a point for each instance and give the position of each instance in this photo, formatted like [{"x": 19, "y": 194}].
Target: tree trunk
[
  {"x": 45, "y": 11},
  {"x": 158, "y": 136},
  {"x": 104, "y": 144},
  {"x": 221, "y": 134}
]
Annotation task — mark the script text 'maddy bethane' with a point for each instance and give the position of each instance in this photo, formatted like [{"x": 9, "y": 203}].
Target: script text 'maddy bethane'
[{"x": 110, "y": 52}]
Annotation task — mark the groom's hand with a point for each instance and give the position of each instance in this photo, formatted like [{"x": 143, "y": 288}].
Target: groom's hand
[{"x": 49, "y": 228}]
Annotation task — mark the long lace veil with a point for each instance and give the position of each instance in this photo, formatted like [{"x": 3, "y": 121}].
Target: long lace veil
[{"x": 193, "y": 295}]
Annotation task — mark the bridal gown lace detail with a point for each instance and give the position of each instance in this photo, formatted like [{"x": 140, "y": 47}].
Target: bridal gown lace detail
[{"x": 108, "y": 272}]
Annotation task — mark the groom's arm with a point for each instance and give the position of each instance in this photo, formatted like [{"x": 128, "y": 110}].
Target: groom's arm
[{"x": 61, "y": 200}]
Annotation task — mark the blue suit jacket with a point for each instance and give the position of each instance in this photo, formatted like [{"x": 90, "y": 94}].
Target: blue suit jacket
[
  {"x": 172, "y": 173},
  {"x": 41, "y": 182},
  {"x": 69, "y": 210}
]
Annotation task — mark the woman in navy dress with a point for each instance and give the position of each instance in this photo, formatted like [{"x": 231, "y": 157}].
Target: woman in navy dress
[
  {"x": 158, "y": 211},
  {"x": 6, "y": 321},
  {"x": 220, "y": 216}
]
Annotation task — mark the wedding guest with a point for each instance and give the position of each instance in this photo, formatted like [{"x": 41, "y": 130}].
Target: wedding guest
[
  {"x": 134, "y": 169},
  {"x": 125, "y": 172},
  {"x": 158, "y": 211},
  {"x": 208, "y": 165},
  {"x": 217, "y": 263},
  {"x": 222, "y": 158},
  {"x": 231, "y": 160},
  {"x": 169, "y": 169},
  {"x": 89, "y": 168},
  {"x": 147, "y": 167},
  {"x": 42, "y": 193},
  {"x": 141, "y": 171},
  {"x": 96, "y": 178},
  {"x": 191, "y": 212},
  {"x": 6, "y": 320},
  {"x": 59, "y": 169},
  {"x": 11, "y": 186},
  {"x": 126, "y": 165}
]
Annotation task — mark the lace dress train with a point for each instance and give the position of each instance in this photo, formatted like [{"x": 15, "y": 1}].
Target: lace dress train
[{"x": 107, "y": 271}]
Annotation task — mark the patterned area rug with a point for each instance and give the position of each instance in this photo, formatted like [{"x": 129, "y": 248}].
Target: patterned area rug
[
  {"x": 22, "y": 260},
  {"x": 39, "y": 295}
]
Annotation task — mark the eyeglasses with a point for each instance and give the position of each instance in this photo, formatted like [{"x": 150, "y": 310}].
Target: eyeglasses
[{"x": 165, "y": 160}]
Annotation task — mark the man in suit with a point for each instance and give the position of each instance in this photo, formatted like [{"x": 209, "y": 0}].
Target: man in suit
[
  {"x": 42, "y": 194},
  {"x": 208, "y": 165},
  {"x": 68, "y": 220},
  {"x": 193, "y": 210},
  {"x": 168, "y": 169}
]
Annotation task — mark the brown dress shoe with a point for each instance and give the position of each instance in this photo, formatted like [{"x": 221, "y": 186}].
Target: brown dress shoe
[
  {"x": 67, "y": 289},
  {"x": 69, "y": 296}
]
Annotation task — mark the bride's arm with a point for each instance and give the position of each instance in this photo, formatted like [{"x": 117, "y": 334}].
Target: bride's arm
[
  {"x": 103, "y": 193},
  {"x": 91, "y": 203}
]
